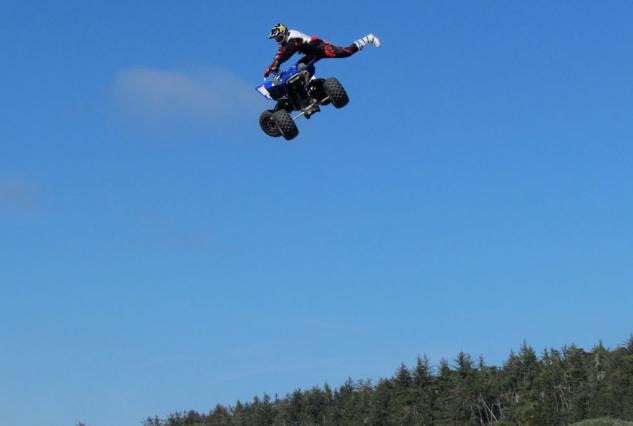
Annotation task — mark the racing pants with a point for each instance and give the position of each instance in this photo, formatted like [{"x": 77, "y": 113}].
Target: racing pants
[{"x": 320, "y": 49}]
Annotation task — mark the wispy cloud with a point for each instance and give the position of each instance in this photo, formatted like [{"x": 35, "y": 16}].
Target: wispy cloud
[
  {"x": 17, "y": 194},
  {"x": 210, "y": 94}
]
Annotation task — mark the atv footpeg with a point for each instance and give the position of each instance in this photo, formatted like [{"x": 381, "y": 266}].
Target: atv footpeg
[
  {"x": 307, "y": 112},
  {"x": 312, "y": 110}
]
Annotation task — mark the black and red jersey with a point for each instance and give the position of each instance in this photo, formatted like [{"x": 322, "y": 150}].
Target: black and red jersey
[{"x": 295, "y": 42}]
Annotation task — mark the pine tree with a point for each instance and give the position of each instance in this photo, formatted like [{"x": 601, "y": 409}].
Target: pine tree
[
  {"x": 488, "y": 400},
  {"x": 219, "y": 416},
  {"x": 423, "y": 392},
  {"x": 547, "y": 412},
  {"x": 379, "y": 408},
  {"x": 527, "y": 392},
  {"x": 296, "y": 407},
  {"x": 445, "y": 406},
  {"x": 598, "y": 404},
  {"x": 465, "y": 389},
  {"x": 620, "y": 381},
  {"x": 152, "y": 421},
  {"x": 576, "y": 382},
  {"x": 345, "y": 402},
  {"x": 401, "y": 405}
]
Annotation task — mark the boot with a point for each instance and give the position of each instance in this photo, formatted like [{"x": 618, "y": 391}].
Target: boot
[{"x": 368, "y": 39}]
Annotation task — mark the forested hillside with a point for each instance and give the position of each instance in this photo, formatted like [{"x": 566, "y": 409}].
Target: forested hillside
[{"x": 558, "y": 387}]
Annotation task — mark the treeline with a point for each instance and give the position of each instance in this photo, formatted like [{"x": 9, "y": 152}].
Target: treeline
[{"x": 556, "y": 388}]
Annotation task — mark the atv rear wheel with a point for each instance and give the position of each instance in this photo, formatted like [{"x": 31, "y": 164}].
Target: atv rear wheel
[
  {"x": 285, "y": 124},
  {"x": 335, "y": 91},
  {"x": 267, "y": 123}
]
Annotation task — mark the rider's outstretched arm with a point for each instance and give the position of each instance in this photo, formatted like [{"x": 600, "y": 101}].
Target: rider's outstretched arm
[{"x": 283, "y": 54}]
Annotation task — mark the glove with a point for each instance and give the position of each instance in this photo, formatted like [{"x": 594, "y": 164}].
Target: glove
[{"x": 271, "y": 69}]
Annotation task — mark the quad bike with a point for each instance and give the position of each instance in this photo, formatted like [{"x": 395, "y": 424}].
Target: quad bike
[{"x": 297, "y": 89}]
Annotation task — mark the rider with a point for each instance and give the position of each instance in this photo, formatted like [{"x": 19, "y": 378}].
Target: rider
[{"x": 313, "y": 48}]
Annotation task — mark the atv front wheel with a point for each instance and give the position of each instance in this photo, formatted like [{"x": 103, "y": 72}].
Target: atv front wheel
[
  {"x": 285, "y": 124},
  {"x": 335, "y": 91},
  {"x": 267, "y": 123}
]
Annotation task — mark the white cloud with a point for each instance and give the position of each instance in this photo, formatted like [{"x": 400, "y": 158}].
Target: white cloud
[{"x": 208, "y": 94}]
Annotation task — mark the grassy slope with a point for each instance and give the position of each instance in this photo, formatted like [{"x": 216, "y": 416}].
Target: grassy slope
[{"x": 603, "y": 422}]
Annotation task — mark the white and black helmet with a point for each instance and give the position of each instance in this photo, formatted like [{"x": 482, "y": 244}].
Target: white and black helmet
[{"x": 279, "y": 33}]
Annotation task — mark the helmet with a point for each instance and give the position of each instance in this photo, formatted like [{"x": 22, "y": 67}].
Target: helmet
[{"x": 279, "y": 33}]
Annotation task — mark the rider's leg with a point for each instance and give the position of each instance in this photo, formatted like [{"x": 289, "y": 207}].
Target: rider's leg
[
  {"x": 333, "y": 51},
  {"x": 307, "y": 59},
  {"x": 324, "y": 49}
]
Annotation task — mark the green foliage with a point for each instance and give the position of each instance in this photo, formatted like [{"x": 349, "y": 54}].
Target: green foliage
[
  {"x": 603, "y": 422},
  {"x": 559, "y": 387}
]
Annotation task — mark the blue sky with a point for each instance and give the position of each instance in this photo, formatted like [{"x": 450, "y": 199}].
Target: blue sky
[{"x": 160, "y": 253}]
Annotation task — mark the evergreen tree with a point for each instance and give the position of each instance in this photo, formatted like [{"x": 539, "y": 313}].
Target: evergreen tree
[
  {"x": 598, "y": 404},
  {"x": 379, "y": 408},
  {"x": 296, "y": 407},
  {"x": 445, "y": 405},
  {"x": 345, "y": 402},
  {"x": 465, "y": 390},
  {"x": 575, "y": 383},
  {"x": 527, "y": 393},
  {"x": 422, "y": 392},
  {"x": 488, "y": 401},
  {"x": 547, "y": 411},
  {"x": 401, "y": 405},
  {"x": 219, "y": 416},
  {"x": 241, "y": 414},
  {"x": 153, "y": 421},
  {"x": 620, "y": 381}
]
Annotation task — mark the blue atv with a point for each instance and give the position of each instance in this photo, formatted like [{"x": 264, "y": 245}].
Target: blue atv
[{"x": 297, "y": 89}]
